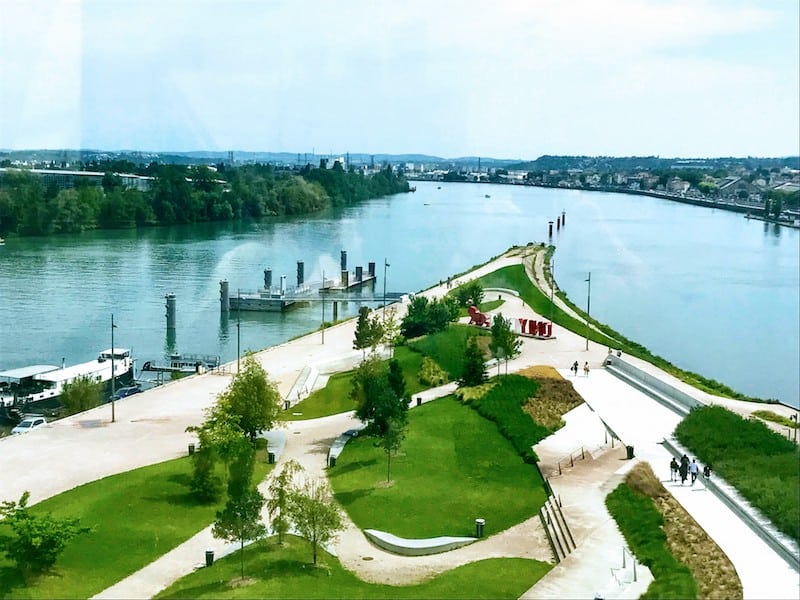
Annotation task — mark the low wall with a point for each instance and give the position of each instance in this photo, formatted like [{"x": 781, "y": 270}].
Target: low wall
[
  {"x": 416, "y": 547},
  {"x": 677, "y": 396}
]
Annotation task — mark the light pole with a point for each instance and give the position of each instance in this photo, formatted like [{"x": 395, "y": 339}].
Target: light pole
[
  {"x": 588, "y": 301},
  {"x": 238, "y": 328},
  {"x": 113, "y": 390},
  {"x": 323, "y": 307},
  {"x": 552, "y": 288},
  {"x": 385, "y": 266}
]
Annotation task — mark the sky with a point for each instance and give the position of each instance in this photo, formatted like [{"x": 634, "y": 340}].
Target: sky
[{"x": 500, "y": 78}]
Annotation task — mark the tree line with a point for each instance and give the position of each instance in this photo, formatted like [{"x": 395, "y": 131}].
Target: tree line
[{"x": 182, "y": 194}]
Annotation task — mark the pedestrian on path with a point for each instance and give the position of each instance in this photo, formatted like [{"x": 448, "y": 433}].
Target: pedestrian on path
[
  {"x": 694, "y": 469},
  {"x": 673, "y": 469},
  {"x": 684, "y": 468},
  {"x": 707, "y": 471},
  {"x": 586, "y": 369},
  {"x": 574, "y": 368}
]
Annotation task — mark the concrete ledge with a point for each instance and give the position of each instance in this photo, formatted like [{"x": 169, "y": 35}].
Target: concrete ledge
[
  {"x": 415, "y": 547},
  {"x": 786, "y": 547},
  {"x": 660, "y": 390}
]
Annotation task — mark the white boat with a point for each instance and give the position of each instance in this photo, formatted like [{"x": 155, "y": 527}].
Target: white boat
[
  {"x": 38, "y": 384},
  {"x": 184, "y": 363}
]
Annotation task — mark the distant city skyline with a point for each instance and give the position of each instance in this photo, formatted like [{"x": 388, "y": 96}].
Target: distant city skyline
[{"x": 511, "y": 79}]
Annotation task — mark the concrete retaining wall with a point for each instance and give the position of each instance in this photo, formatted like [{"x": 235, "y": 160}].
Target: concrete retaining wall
[{"x": 674, "y": 395}]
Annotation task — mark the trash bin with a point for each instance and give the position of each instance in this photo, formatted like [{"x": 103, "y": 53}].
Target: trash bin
[
  {"x": 419, "y": 401},
  {"x": 630, "y": 451},
  {"x": 286, "y": 405},
  {"x": 271, "y": 458},
  {"x": 332, "y": 461},
  {"x": 209, "y": 557},
  {"x": 479, "y": 524},
  {"x": 191, "y": 449}
]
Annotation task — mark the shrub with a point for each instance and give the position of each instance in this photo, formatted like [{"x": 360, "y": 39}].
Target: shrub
[
  {"x": 431, "y": 374},
  {"x": 763, "y": 465},
  {"x": 503, "y": 404}
]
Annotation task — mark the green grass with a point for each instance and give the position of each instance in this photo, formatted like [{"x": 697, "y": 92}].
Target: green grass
[
  {"x": 453, "y": 467},
  {"x": 763, "y": 465},
  {"x": 334, "y": 398},
  {"x": 136, "y": 517},
  {"x": 640, "y": 523},
  {"x": 483, "y": 307},
  {"x": 769, "y": 415},
  {"x": 503, "y": 404},
  {"x": 284, "y": 572},
  {"x": 447, "y": 347}
]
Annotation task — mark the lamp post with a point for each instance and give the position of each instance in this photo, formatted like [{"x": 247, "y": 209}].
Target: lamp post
[
  {"x": 323, "y": 307},
  {"x": 113, "y": 390},
  {"x": 238, "y": 328},
  {"x": 588, "y": 301},
  {"x": 552, "y": 288},
  {"x": 385, "y": 266}
]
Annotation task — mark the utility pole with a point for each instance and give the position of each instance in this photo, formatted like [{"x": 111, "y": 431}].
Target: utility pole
[
  {"x": 238, "y": 328},
  {"x": 552, "y": 288},
  {"x": 385, "y": 266},
  {"x": 113, "y": 390},
  {"x": 588, "y": 301},
  {"x": 323, "y": 308}
]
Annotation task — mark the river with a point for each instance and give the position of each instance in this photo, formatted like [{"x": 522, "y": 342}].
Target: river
[{"x": 706, "y": 289}]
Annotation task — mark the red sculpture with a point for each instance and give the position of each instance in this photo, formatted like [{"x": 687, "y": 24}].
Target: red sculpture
[{"x": 476, "y": 317}]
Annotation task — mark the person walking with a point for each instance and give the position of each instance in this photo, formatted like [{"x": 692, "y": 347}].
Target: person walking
[
  {"x": 673, "y": 469},
  {"x": 694, "y": 469},
  {"x": 586, "y": 369},
  {"x": 707, "y": 471},
  {"x": 575, "y": 368},
  {"x": 684, "y": 468}
]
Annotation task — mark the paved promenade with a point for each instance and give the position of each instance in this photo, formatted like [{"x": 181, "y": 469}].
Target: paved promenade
[{"x": 150, "y": 427}]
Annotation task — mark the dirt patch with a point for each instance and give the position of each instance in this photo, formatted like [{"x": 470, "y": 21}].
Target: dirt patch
[
  {"x": 554, "y": 397},
  {"x": 715, "y": 574},
  {"x": 241, "y": 582}
]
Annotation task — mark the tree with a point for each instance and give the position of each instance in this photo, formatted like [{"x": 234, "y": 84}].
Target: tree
[
  {"x": 369, "y": 330},
  {"x": 37, "y": 541},
  {"x": 205, "y": 484},
  {"x": 240, "y": 520},
  {"x": 396, "y": 380},
  {"x": 375, "y": 398},
  {"x": 314, "y": 514},
  {"x": 220, "y": 436},
  {"x": 80, "y": 395},
  {"x": 474, "y": 367},
  {"x": 391, "y": 440},
  {"x": 280, "y": 491},
  {"x": 504, "y": 340},
  {"x": 251, "y": 398}
]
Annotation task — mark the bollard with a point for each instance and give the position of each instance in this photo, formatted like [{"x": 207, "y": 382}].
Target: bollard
[
  {"x": 479, "y": 524},
  {"x": 191, "y": 449},
  {"x": 209, "y": 557}
]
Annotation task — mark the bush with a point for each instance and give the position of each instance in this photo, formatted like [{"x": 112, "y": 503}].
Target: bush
[
  {"x": 763, "y": 465},
  {"x": 431, "y": 374},
  {"x": 503, "y": 404},
  {"x": 641, "y": 524}
]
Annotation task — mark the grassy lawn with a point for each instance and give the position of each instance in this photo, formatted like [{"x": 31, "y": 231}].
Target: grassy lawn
[
  {"x": 334, "y": 398},
  {"x": 453, "y": 467},
  {"x": 136, "y": 517},
  {"x": 447, "y": 347},
  {"x": 285, "y": 572}
]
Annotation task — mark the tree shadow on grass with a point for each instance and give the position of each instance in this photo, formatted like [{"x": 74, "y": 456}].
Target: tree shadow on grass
[
  {"x": 347, "y": 498},
  {"x": 10, "y": 579},
  {"x": 342, "y": 469}
]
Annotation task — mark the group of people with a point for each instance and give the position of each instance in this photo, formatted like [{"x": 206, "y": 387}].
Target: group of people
[
  {"x": 687, "y": 469},
  {"x": 574, "y": 368}
]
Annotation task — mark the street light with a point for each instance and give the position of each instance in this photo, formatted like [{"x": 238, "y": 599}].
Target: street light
[
  {"x": 552, "y": 288},
  {"x": 113, "y": 390},
  {"x": 588, "y": 301},
  {"x": 238, "y": 327},
  {"x": 322, "y": 296},
  {"x": 385, "y": 266}
]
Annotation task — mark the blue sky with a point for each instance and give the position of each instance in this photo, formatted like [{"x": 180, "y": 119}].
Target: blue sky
[{"x": 451, "y": 78}]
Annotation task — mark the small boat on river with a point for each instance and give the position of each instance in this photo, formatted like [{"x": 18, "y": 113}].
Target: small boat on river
[{"x": 184, "y": 363}]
